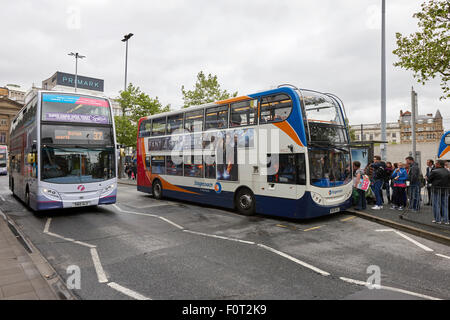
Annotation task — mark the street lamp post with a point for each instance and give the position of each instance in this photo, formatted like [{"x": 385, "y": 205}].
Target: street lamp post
[
  {"x": 125, "y": 39},
  {"x": 77, "y": 56},
  {"x": 383, "y": 80}
]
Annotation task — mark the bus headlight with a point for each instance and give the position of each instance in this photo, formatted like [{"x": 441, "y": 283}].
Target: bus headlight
[
  {"x": 108, "y": 189},
  {"x": 51, "y": 193},
  {"x": 317, "y": 198}
]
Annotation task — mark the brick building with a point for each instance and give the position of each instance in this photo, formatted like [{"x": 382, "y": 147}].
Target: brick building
[
  {"x": 429, "y": 128},
  {"x": 8, "y": 110}
]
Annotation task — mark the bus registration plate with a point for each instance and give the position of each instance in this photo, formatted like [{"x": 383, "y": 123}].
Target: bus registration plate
[
  {"x": 335, "y": 210},
  {"x": 81, "y": 203}
]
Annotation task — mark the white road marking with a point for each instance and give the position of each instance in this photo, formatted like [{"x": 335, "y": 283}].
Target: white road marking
[
  {"x": 98, "y": 266},
  {"x": 442, "y": 256},
  {"x": 47, "y": 225},
  {"x": 1, "y": 197},
  {"x": 218, "y": 237},
  {"x": 414, "y": 241},
  {"x": 407, "y": 238},
  {"x": 128, "y": 292},
  {"x": 362, "y": 283},
  {"x": 306, "y": 265},
  {"x": 81, "y": 243},
  {"x": 172, "y": 223}
]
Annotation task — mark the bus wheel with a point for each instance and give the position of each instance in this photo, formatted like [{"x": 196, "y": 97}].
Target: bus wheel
[
  {"x": 157, "y": 190},
  {"x": 245, "y": 202}
]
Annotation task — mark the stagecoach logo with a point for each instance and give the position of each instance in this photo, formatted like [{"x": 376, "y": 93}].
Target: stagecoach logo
[
  {"x": 218, "y": 187},
  {"x": 331, "y": 192},
  {"x": 81, "y": 187}
]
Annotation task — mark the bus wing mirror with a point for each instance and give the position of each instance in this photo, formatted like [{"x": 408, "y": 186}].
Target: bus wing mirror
[{"x": 31, "y": 158}]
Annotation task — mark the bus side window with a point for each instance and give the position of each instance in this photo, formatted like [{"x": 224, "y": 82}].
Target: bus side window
[
  {"x": 287, "y": 169},
  {"x": 301, "y": 169},
  {"x": 147, "y": 163},
  {"x": 275, "y": 108},
  {"x": 210, "y": 166}
]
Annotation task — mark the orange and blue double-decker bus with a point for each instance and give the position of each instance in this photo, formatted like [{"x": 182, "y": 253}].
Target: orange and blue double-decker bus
[
  {"x": 444, "y": 147},
  {"x": 282, "y": 152}
]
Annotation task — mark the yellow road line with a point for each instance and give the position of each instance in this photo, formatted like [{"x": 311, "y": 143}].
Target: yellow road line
[
  {"x": 314, "y": 228},
  {"x": 281, "y": 226},
  {"x": 349, "y": 218}
]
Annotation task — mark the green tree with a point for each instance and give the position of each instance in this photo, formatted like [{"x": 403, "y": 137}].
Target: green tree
[
  {"x": 135, "y": 104},
  {"x": 206, "y": 89},
  {"x": 426, "y": 52}
]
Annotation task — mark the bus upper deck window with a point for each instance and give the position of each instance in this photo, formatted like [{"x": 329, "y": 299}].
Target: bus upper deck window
[{"x": 275, "y": 108}]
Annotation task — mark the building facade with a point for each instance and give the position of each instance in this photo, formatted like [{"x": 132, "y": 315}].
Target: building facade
[
  {"x": 429, "y": 128},
  {"x": 372, "y": 132},
  {"x": 8, "y": 110}
]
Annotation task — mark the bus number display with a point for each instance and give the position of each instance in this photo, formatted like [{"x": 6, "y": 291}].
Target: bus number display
[{"x": 69, "y": 135}]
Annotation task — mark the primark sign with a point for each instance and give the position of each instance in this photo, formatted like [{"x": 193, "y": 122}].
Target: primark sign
[{"x": 68, "y": 80}]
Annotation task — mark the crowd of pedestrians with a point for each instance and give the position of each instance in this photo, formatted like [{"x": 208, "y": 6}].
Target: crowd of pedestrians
[{"x": 403, "y": 183}]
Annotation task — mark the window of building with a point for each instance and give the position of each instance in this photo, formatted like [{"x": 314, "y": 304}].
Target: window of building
[
  {"x": 174, "y": 123},
  {"x": 275, "y": 108},
  {"x": 217, "y": 118},
  {"x": 243, "y": 113},
  {"x": 193, "y": 121},
  {"x": 2, "y": 137},
  {"x": 159, "y": 127},
  {"x": 394, "y": 135}
]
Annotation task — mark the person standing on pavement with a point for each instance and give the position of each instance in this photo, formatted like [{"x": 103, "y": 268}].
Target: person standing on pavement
[
  {"x": 430, "y": 167},
  {"x": 414, "y": 183},
  {"x": 399, "y": 177},
  {"x": 359, "y": 174},
  {"x": 440, "y": 183},
  {"x": 387, "y": 179},
  {"x": 379, "y": 172}
]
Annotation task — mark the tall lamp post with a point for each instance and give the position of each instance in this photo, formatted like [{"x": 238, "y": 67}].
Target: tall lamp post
[
  {"x": 383, "y": 80},
  {"x": 77, "y": 56},
  {"x": 125, "y": 39}
]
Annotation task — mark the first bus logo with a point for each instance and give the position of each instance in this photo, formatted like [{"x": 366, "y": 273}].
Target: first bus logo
[{"x": 81, "y": 188}]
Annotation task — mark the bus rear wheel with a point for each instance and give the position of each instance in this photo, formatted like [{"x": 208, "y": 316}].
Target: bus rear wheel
[
  {"x": 245, "y": 202},
  {"x": 157, "y": 190}
]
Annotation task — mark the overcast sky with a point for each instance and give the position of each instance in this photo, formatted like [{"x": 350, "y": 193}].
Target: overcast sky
[{"x": 326, "y": 45}]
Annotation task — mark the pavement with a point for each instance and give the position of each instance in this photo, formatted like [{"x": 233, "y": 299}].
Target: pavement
[
  {"x": 418, "y": 223},
  {"x": 20, "y": 277},
  {"x": 127, "y": 181}
]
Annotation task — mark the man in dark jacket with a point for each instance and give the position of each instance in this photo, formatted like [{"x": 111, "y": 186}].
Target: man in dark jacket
[
  {"x": 430, "y": 167},
  {"x": 414, "y": 183},
  {"x": 440, "y": 184},
  {"x": 379, "y": 168}
]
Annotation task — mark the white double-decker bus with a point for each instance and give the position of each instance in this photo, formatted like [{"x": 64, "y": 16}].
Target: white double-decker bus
[
  {"x": 63, "y": 151},
  {"x": 282, "y": 152}
]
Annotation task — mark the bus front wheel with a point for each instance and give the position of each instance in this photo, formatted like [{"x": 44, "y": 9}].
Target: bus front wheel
[
  {"x": 157, "y": 190},
  {"x": 245, "y": 202}
]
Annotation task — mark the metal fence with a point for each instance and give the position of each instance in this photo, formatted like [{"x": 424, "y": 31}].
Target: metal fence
[{"x": 427, "y": 204}]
